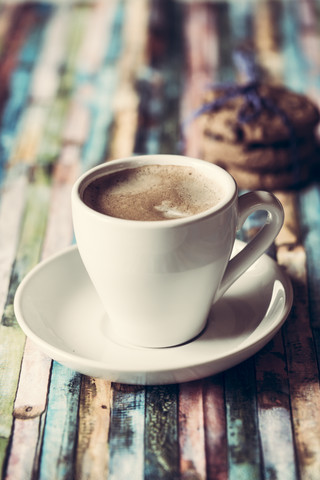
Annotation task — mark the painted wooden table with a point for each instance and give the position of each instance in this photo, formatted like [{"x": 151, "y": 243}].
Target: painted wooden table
[{"x": 84, "y": 82}]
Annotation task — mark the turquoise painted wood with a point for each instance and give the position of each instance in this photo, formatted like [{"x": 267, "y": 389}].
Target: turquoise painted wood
[
  {"x": 104, "y": 84},
  {"x": 60, "y": 429},
  {"x": 127, "y": 433},
  {"x": 242, "y": 427},
  {"x": 16, "y": 74},
  {"x": 309, "y": 211}
]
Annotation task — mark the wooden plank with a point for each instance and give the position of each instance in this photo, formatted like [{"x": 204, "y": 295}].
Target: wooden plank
[
  {"x": 12, "y": 343},
  {"x": 78, "y": 17},
  {"x": 242, "y": 425},
  {"x": 124, "y": 454},
  {"x": 131, "y": 63},
  {"x": 31, "y": 397},
  {"x": 60, "y": 430},
  {"x": 16, "y": 468},
  {"x": 299, "y": 338},
  {"x": 13, "y": 195},
  {"x": 97, "y": 38},
  {"x": 47, "y": 72},
  {"x": 126, "y": 437},
  {"x": 102, "y": 90},
  {"x": 273, "y": 404},
  {"x": 309, "y": 38},
  {"x": 309, "y": 204},
  {"x": 39, "y": 114},
  {"x": 7, "y": 20},
  {"x": 40, "y": 14},
  {"x": 273, "y": 396},
  {"x": 303, "y": 374},
  {"x": 191, "y": 431},
  {"x": 25, "y": 462},
  {"x": 216, "y": 447},
  {"x": 161, "y": 433},
  {"x": 12, "y": 339},
  {"x": 294, "y": 66},
  {"x": 301, "y": 357},
  {"x": 29, "y": 407},
  {"x": 235, "y": 427},
  {"x": 92, "y": 457},
  {"x": 26, "y": 143},
  {"x": 267, "y": 34},
  {"x": 52, "y": 140},
  {"x": 15, "y": 76},
  {"x": 202, "y": 62},
  {"x": 274, "y": 411}
]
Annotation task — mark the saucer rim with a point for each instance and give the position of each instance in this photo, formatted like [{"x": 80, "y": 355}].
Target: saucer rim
[{"x": 84, "y": 363}]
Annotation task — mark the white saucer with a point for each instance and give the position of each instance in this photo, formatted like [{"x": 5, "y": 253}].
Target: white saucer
[{"x": 58, "y": 308}]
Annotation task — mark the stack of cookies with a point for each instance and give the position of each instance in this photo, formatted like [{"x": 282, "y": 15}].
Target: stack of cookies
[{"x": 266, "y": 141}]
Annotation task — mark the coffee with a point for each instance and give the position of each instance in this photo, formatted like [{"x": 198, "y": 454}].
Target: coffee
[{"x": 152, "y": 192}]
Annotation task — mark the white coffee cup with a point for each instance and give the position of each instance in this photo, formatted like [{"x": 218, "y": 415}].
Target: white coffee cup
[{"x": 158, "y": 279}]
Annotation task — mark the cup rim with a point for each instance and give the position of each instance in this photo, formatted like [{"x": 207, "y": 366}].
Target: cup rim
[{"x": 112, "y": 166}]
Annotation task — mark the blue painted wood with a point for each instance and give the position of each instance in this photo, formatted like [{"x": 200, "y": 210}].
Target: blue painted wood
[
  {"x": 126, "y": 438},
  {"x": 104, "y": 84},
  {"x": 30, "y": 50},
  {"x": 20, "y": 82},
  {"x": 309, "y": 213},
  {"x": 244, "y": 451},
  {"x": 294, "y": 64},
  {"x": 60, "y": 430},
  {"x": 274, "y": 412},
  {"x": 160, "y": 84}
]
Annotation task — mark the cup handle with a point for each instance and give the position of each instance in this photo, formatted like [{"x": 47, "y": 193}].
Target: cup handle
[{"x": 247, "y": 204}]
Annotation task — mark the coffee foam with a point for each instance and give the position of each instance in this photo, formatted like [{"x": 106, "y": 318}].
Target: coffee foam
[{"x": 153, "y": 192}]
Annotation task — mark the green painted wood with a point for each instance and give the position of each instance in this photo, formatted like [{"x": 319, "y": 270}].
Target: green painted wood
[
  {"x": 12, "y": 338},
  {"x": 31, "y": 396},
  {"x": 13, "y": 196},
  {"x": 78, "y": 16},
  {"x": 52, "y": 136}
]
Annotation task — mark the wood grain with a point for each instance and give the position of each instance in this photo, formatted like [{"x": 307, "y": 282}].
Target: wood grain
[
  {"x": 92, "y": 457},
  {"x": 127, "y": 432},
  {"x": 161, "y": 434},
  {"x": 216, "y": 447},
  {"x": 86, "y": 82},
  {"x": 192, "y": 431}
]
